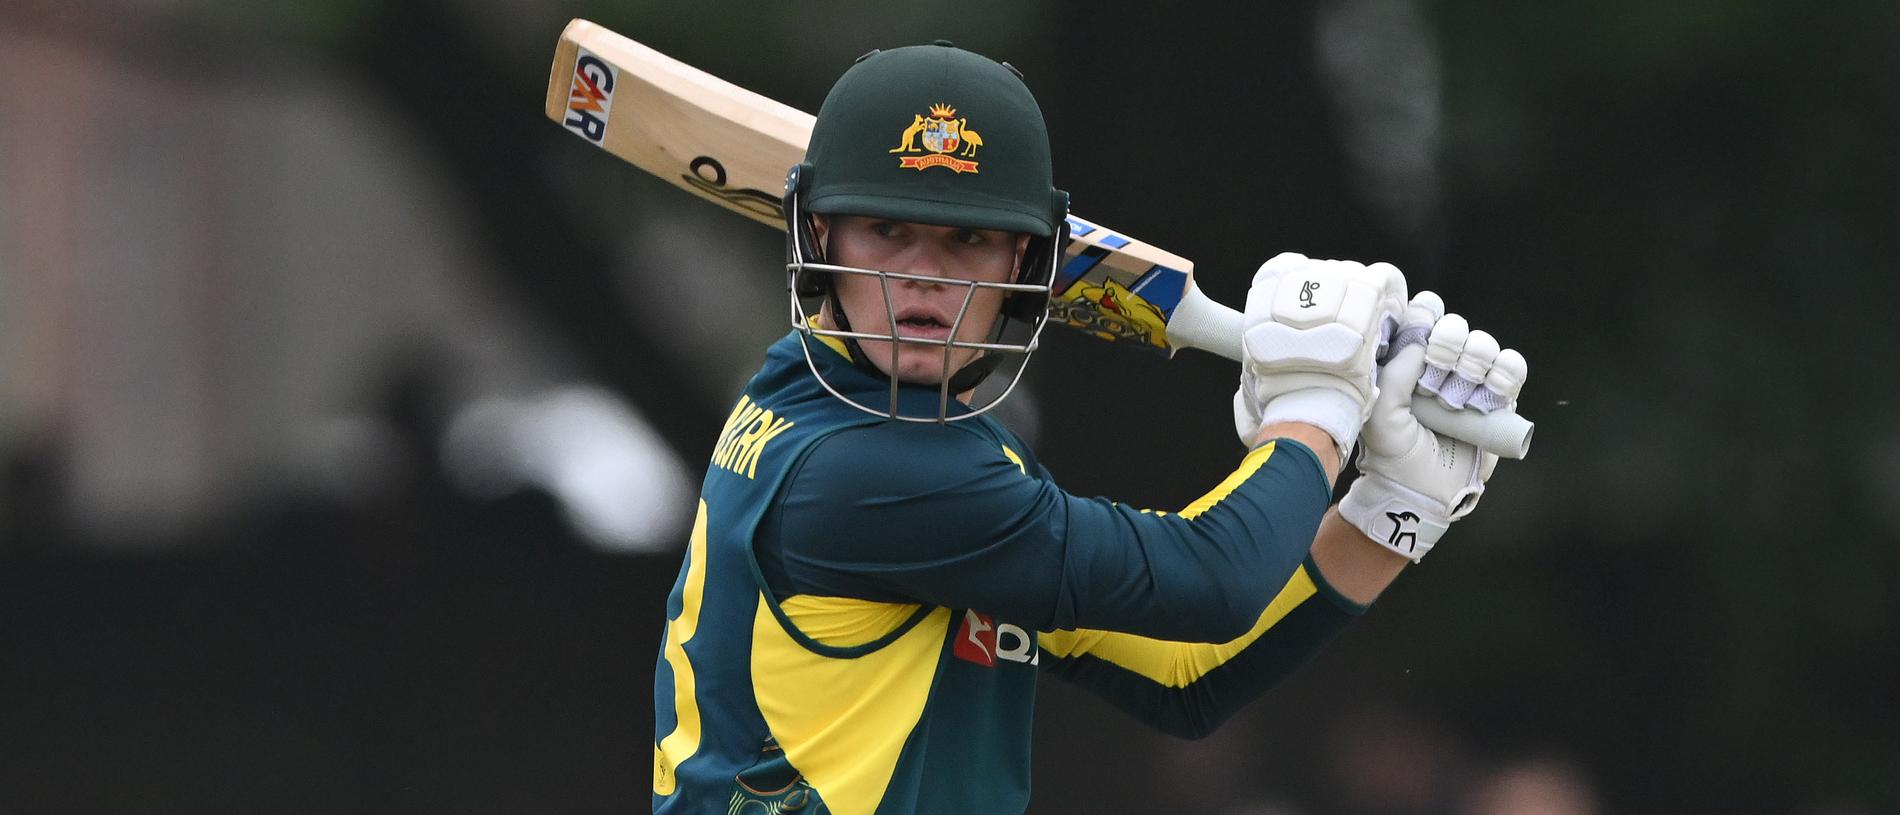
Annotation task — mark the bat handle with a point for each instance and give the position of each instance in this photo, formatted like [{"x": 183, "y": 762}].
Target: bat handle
[{"x": 1199, "y": 322}]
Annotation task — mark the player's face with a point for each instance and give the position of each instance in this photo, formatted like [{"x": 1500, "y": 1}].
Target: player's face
[{"x": 922, "y": 309}]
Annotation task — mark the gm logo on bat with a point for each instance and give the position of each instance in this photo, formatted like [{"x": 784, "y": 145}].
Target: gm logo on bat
[{"x": 591, "y": 98}]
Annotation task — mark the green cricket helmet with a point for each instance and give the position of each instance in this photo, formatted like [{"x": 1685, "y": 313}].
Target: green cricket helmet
[{"x": 938, "y": 135}]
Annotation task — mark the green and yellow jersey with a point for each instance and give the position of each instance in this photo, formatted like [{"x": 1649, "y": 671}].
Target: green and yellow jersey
[{"x": 865, "y": 604}]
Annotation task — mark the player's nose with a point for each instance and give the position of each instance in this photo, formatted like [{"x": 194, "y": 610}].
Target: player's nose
[{"x": 926, "y": 260}]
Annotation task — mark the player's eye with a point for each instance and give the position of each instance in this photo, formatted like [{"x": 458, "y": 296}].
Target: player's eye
[
  {"x": 968, "y": 237},
  {"x": 884, "y": 229}
]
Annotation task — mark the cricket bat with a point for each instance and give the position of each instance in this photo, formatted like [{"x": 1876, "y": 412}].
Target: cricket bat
[{"x": 733, "y": 147}]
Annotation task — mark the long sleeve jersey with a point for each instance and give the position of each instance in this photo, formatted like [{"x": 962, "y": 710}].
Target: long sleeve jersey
[{"x": 865, "y": 604}]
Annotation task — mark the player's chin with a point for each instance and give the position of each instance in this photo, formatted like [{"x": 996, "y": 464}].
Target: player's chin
[{"x": 917, "y": 364}]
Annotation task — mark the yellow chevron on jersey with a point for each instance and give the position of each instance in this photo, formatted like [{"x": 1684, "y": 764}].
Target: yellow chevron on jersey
[
  {"x": 1247, "y": 467},
  {"x": 1176, "y": 664},
  {"x": 1014, "y": 459}
]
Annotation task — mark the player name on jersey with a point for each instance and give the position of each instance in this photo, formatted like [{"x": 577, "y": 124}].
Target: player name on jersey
[{"x": 747, "y": 430}]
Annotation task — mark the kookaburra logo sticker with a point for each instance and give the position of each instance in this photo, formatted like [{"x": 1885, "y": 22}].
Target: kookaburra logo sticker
[
  {"x": 1400, "y": 531},
  {"x": 945, "y": 135},
  {"x": 1306, "y": 293}
]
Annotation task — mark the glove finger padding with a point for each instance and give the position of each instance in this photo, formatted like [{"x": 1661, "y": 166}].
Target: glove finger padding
[
  {"x": 1447, "y": 341},
  {"x": 1507, "y": 375},
  {"x": 1505, "y": 380},
  {"x": 1416, "y": 326},
  {"x": 1467, "y": 374},
  {"x": 1462, "y": 367},
  {"x": 1389, "y": 326}
]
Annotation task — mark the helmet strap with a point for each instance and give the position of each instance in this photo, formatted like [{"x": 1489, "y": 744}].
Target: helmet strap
[
  {"x": 841, "y": 322},
  {"x": 973, "y": 374}
]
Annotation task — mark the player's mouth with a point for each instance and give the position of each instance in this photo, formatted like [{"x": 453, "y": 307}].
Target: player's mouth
[{"x": 917, "y": 321}]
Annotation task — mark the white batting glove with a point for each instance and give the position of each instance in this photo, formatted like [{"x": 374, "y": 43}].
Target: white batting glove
[
  {"x": 1310, "y": 334},
  {"x": 1414, "y": 483}
]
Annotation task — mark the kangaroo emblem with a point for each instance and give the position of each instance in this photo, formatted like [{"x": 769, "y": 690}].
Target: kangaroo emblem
[{"x": 909, "y": 144}]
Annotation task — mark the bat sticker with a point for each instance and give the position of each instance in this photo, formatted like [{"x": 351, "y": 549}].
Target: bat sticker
[
  {"x": 758, "y": 202},
  {"x": 1111, "y": 312},
  {"x": 591, "y": 97}
]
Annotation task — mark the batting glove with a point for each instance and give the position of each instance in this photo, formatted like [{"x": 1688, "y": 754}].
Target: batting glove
[
  {"x": 1413, "y": 482},
  {"x": 1310, "y": 334}
]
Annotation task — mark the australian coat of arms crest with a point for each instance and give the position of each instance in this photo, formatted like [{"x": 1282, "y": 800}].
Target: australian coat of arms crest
[{"x": 948, "y": 140}]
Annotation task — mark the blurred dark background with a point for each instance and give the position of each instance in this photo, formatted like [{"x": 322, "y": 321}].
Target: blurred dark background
[{"x": 350, "y": 411}]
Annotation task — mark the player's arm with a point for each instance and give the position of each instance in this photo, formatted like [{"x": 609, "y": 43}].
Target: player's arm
[
  {"x": 924, "y": 513},
  {"x": 1415, "y": 484},
  {"x": 1188, "y": 689},
  {"x": 904, "y": 512}
]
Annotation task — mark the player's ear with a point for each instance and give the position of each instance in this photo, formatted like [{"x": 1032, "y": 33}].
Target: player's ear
[{"x": 820, "y": 227}]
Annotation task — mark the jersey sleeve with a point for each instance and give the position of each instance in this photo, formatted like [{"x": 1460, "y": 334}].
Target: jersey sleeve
[
  {"x": 1188, "y": 689},
  {"x": 906, "y": 512}
]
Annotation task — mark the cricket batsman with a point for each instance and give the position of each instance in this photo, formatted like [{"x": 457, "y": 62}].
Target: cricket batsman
[{"x": 879, "y": 571}]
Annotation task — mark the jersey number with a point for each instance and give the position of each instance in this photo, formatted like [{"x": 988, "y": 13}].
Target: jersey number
[{"x": 683, "y": 742}]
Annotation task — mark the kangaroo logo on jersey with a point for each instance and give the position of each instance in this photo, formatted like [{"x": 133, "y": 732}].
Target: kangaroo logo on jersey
[
  {"x": 591, "y": 97},
  {"x": 983, "y": 640},
  {"x": 944, "y": 135}
]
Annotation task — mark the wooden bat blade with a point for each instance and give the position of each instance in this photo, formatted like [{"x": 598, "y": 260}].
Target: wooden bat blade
[
  {"x": 701, "y": 133},
  {"x": 733, "y": 147}
]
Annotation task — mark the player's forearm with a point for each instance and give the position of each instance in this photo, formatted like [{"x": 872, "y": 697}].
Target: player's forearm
[
  {"x": 1189, "y": 689},
  {"x": 1351, "y": 563},
  {"x": 1345, "y": 572},
  {"x": 1195, "y": 575}
]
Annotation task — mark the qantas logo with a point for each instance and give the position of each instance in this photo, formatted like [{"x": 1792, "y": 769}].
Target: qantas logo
[{"x": 982, "y": 640}]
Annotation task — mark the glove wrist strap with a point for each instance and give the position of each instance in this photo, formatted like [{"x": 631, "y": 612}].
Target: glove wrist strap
[
  {"x": 1325, "y": 408},
  {"x": 1393, "y": 516}
]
